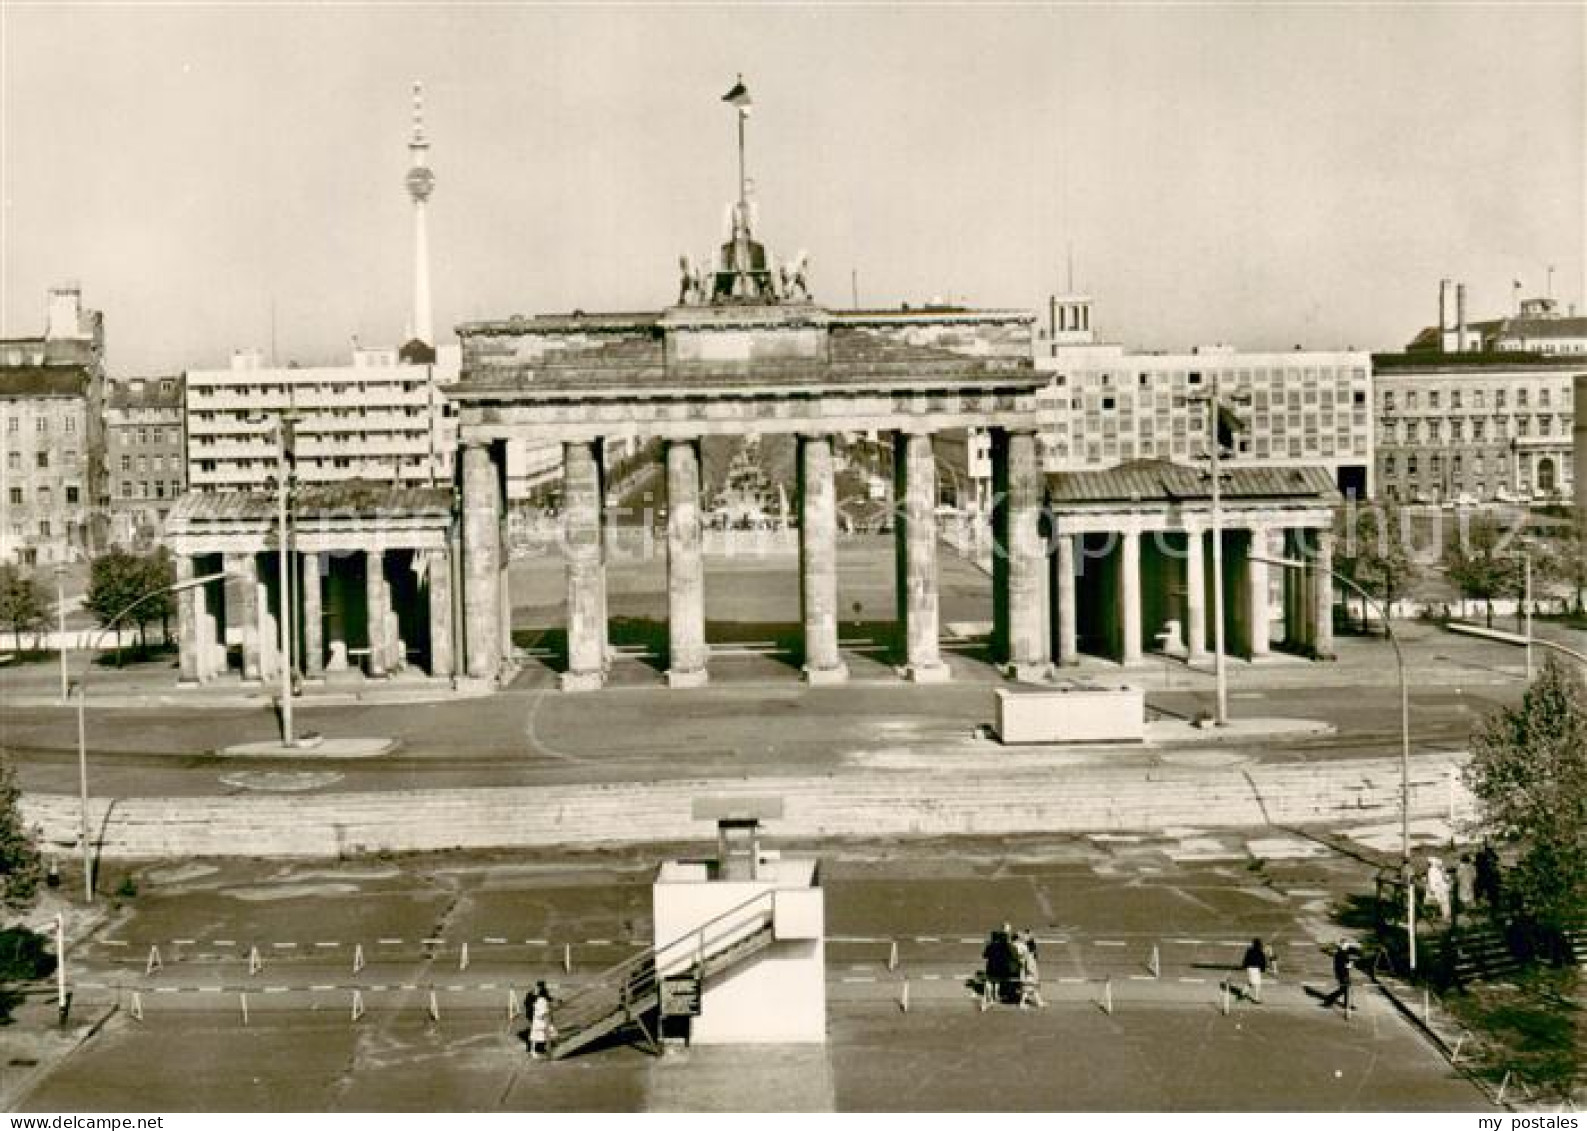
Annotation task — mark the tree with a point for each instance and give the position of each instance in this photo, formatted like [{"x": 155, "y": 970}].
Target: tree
[
  {"x": 120, "y": 578},
  {"x": 23, "y": 606},
  {"x": 1371, "y": 548},
  {"x": 1528, "y": 771},
  {"x": 21, "y": 866},
  {"x": 1561, "y": 557},
  {"x": 1480, "y": 563}
]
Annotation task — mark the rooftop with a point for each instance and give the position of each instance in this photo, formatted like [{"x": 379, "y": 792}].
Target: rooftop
[
  {"x": 43, "y": 381},
  {"x": 353, "y": 497},
  {"x": 1154, "y": 480}
]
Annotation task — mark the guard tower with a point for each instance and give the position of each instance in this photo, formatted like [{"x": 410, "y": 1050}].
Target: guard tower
[{"x": 740, "y": 951}]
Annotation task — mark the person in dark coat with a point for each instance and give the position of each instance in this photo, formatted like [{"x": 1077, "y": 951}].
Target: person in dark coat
[
  {"x": 1255, "y": 963},
  {"x": 1001, "y": 973},
  {"x": 1344, "y": 956}
]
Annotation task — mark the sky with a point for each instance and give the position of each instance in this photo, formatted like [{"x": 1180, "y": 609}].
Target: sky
[{"x": 1259, "y": 175}]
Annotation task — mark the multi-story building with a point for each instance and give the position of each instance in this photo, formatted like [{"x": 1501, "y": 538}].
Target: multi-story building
[
  {"x": 1105, "y": 405},
  {"x": 51, "y": 438},
  {"x": 146, "y": 464},
  {"x": 1480, "y": 411},
  {"x": 1467, "y": 427},
  {"x": 379, "y": 419}
]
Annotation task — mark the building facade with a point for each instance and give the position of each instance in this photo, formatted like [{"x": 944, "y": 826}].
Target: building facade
[
  {"x": 379, "y": 419},
  {"x": 145, "y": 457},
  {"x": 1104, "y": 405},
  {"x": 51, "y": 436}
]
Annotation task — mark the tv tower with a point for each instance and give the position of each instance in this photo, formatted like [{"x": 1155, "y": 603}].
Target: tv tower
[{"x": 420, "y": 182}]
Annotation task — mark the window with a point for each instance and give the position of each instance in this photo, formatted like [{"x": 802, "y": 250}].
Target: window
[
  {"x": 1432, "y": 398},
  {"x": 14, "y": 461},
  {"x": 1498, "y": 398},
  {"x": 1410, "y": 466},
  {"x": 71, "y": 493},
  {"x": 1388, "y": 465},
  {"x": 13, "y": 425},
  {"x": 126, "y": 488},
  {"x": 71, "y": 457},
  {"x": 1476, "y": 429},
  {"x": 143, "y": 490},
  {"x": 44, "y": 528},
  {"x": 1479, "y": 398},
  {"x": 1410, "y": 400},
  {"x": 1545, "y": 426},
  {"x": 1456, "y": 427},
  {"x": 16, "y": 496},
  {"x": 41, "y": 424},
  {"x": 126, "y": 463},
  {"x": 159, "y": 488},
  {"x": 1520, "y": 397},
  {"x": 71, "y": 424},
  {"x": 1521, "y": 425},
  {"x": 143, "y": 435},
  {"x": 1542, "y": 397},
  {"x": 42, "y": 458},
  {"x": 44, "y": 497}
]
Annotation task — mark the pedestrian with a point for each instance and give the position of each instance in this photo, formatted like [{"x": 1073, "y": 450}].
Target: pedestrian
[
  {"x": 1255, "y": 963},
  {"x": 1487, "y": 879},
  {"x": 1438, "y": 887},
  {"x": 1029, "y": 971},
  {"x": 1002, "y": 967},
  {"x": 1465, "y": 884},
  {"x": 1344, "y": 955},
  {"x": 541, "y": 1030}
]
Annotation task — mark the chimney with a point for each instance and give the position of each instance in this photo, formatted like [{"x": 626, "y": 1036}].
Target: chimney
[
  {"x": 65, "y": 317},
  {"x": 1446, "y": 317},
  {"x": 1460, "y": 317}
]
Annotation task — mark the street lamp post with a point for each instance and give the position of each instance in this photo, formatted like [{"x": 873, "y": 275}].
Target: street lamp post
[
  {"x": 1405, "y": 744},
  {"x": 281, "y": 424},
  {"x": 82, "y": 718},
  {"x": 60, "y": 627}
]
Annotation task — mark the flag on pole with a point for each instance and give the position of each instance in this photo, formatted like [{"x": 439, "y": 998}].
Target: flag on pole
[
  {"x": 1229, "y": 423},
  {"x": 739, "y": 96}
]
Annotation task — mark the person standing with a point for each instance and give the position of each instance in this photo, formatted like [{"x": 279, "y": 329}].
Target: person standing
[
  {"x": 540, "y": 1028},
  {"x": 1029, "y": 971},
  {"x": 1438, "y": 887},
  {"x": 1255, "y": 963},
  {"x": 1344, "y": 956}
]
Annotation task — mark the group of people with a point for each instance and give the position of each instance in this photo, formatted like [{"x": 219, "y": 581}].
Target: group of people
[
  {"x": 1476, "y": 877},
  {"x": 1011, "y": 975}
]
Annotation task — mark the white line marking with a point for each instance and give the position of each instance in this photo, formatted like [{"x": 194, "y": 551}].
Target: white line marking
[
  {"x": 859, "y": 979},
  {"x": 1071, "y": 981},
  {"x": 1108, "y": 942},
  {"x": 597, "y": 942},
  {"x": 322, "y": 988},
  {"x": 328, "y": 945},
  {"x": 182, "y": 942},
  {"x": 1142, "y": 978},
  {"x": 1194, "y": 980},
  {"x": 167, "y": 989},
  {"x": 927, "y": 938},
  {"x": 224, "y": 942},
  {"x": 498, "y": 942},
  {"x": 115, "y": 942},
  {"x": 285, "y": 945},
  {"x": 277, "y": 989},
  {"x": 931, "y": 977},
  {"x": 389, "y": 942},
  {"x": 535, "y": 942},
  {"x": 212, "y": 989}
]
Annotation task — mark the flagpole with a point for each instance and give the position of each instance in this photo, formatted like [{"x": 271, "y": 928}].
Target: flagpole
[
  {"x": 743, "y": 192},
  {"x": 1220, "y": 676}
]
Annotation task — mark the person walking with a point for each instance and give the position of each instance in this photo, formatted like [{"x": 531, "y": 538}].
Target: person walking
[
  {"x": 1255, "y": 962},
  {"x": 1029, "y": 971},
  {"x": 1437, "y": 884},
  {"x": 1344, "y": 956}
]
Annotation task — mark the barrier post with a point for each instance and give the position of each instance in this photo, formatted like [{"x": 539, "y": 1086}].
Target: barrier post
[
  {"x": 358, "y": 957},
  {"x": 1503, "y": 1085},
  {"x": 1427, "y": 1006},
  {"x": 512, "y": 1004},
  {"x": 567, "y": 958},
  {"x": 903, "y": 997},
  {"x": 1156, "y": 964},
  {"x": 154, "y": 962},
  {"x": 243, "y": 998},
  {"x": 358, "y": 1004},
  {"x": 892, "y": 955},
  {"x": 137, "y": 1006},
  {"x": 1454, "y": 1057},
  {"x": 435, "y": 1006},
  {"x": 1107, "y": 996},
  {"x": 462, "y": 957},
  {"x": 1224, "y": 986},
  {"x": 255, "y": 963}
]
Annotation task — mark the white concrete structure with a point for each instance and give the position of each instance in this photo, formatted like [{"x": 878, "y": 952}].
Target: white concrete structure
[
  {"x": 1072, "y": 712},
  {"x": 420, "y": 183}
]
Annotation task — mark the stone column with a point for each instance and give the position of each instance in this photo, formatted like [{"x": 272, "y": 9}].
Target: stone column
[
  {"x": 687, "y": 652},
  {"x": 189, "y": 614},
  {"x": 1028, "y": 636},
  {"x": 582, "y": 500},
  {"x": 1322, "y": 588},
  {"x": 1258, "y": 599},
  {"x": 438, "y": 579},
  {"x": 1129, "y": 567},
  {"x": 1297, "y": 600},
  {"x": 915, "y": 536},
  {"x": 377, "y": 607},
  {"x": 309, "y": 584},
  {"x": 263, "y": 619},
  {"x": 1068, "y": 647},
  {"x": 818, "y": 562},
  {"x": 481, "y": 560},
  {"x": 1195, "y": 597},
  {"x": 242, "y": 596}
]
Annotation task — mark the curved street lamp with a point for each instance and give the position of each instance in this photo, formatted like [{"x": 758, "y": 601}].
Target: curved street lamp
[
  {"x": 1405, "y": 742},
  {"x": 80, "y": 686}
]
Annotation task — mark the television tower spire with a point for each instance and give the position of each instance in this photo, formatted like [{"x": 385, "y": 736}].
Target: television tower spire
[{"x": 420, "y": 183}]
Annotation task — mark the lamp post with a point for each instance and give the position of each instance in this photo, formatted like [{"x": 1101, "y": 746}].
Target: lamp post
[
  {"x": 1405, "y": 743},
  {"x": 281, "y": 424},
  {"x": 82, "y": 718}
]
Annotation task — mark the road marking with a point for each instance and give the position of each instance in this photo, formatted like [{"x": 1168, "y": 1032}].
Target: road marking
[
  {"x": 285, "y": 945},
  {"x": 597, "y": 942},
  {"x": 927, "y": 938},
  {"x": 486, "y": 986},
  {"x": 382, "y": 988},
  {"x": 535, "y": 942},
  {"x": 408, "y": 986},
  {"x": 859, "y": 979},
  {"x": 328, "y": 945},
  {"x": 972, "y": 942},
  {"x": 167, "y": 989},
  {"x": 931, "y": 977},
  {"x": 433, "y": 942},
  {"x": 322, "y": 988},
  {"x": 498, "y": 942},
  {"x": 182, "y": 942},
  {"x": 224, "y": 942},
  {"x": 1108, "y": 942},
  {"x": 389, "y": 942},
  {"x": 1194, "y": 981},
  {"x": 1188, "y": 942},
  {"x": 1071, "y": 981},
  {"x": 115, "y": 942},
  {"x": 212, "y": 989},
  {"x": 276, "y": 989},
  {"x": 1142, "y": 978}
]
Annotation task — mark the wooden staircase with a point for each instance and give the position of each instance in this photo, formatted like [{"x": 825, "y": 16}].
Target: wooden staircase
[{"x": 629, "y": 994}]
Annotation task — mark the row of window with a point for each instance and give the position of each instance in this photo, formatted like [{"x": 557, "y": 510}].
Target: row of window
[
  {"x": 1477, "y": 399},
  {"x": 41, "y": 423},
  {"x": 151, "y": 463},
  {"x": 41, "y": 460},
  {"x": 143, "y": 486},
  {"x": 1230, "y": 378},
  {"x": 340, "y": 388},
  {"x": 1416, "y": 431},
  {"x": 43, "y": 496},
  {"x": 147, "y": 435},
  {"x": 378, "y": 464}
]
